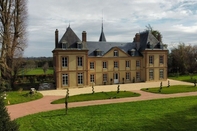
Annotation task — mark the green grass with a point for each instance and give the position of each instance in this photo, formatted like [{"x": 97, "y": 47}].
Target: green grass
[
  {"x": 36, "y": 71},
  {"x": 97, "y": 96},
  {"x": 173, "y": 114},
  {"x": 186, "y": 78},
  {"x": 172, "y": 89},
  {"x": 16, "y": 97}
]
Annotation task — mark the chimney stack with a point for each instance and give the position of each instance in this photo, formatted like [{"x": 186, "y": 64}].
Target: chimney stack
[
  {"x": 56, "y": 38},
  {"x": 84, "y": 36}
]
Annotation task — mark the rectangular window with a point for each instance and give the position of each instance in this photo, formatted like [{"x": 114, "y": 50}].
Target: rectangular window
[
  {"x": 80, "y": 78},
  {"x": 91, "y": 77},
  {"x": 64, "y": 79},
  {"x": 151, "y": 59},
  {"x": 127, "y": 63},
  {"x": 161, "y": 59},
  {"x": 115, "y": 64},
  {"x": 161, "y": 75},
  {"x": 137, "y": 76},
  {"x": 127, "y": 76},
  {"x": 80, "y": 61},
  {"x": 64, "y": 61},
  {"x": 104, "y": 77},
  {"x": 115, "y": 53},
  {"x": 91, "y": 65},
  {"x": 105, "y": 64},
  {"x": 137, "y": 63},
  {"x": 151, "y": 74}
]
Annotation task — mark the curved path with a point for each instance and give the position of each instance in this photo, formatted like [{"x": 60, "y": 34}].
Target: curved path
[{"x": 23, "y": 109}]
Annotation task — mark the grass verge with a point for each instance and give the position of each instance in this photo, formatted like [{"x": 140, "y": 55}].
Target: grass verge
[
  {"x": 154, "y": 115},
  {"x": 16, "y": 97},
  {"x": 97, "y": 96},
  {"x": 186, "y": 78},
  {"x": 171, "y": 89}
]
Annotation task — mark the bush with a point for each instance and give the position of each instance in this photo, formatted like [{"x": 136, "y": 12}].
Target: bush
[{"x": 5, "y": 122}]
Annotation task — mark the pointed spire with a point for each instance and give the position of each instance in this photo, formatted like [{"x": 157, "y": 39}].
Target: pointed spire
[{"x": 102, "y": 36}]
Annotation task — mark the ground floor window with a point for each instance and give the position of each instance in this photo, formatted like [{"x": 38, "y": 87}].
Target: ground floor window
[
  {"x": 151, "y": 74},
  {"x": 127, "y": 76},
  {"x": 137, "y": 76},
  {"x": 161, "y": 75},
  {"x": 91, "y": 77},
  {"x": 104, "y": 77},
  {"x": 64, "y": 79},
  {"x": 80, "y": 78}
]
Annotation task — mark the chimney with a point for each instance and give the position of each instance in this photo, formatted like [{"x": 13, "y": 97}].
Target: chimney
[
  {"x": 56, "y": 38},
  {"x": 83, "y": 36}
]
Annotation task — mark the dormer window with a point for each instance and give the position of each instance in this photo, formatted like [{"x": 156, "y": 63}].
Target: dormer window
[
  {"x": 79, "y": 45},
  {"x": 115, "y": 53},
  {"x": 132, "y": 52},
  {"x": 98, "y": 52},
  {"x": 64, "y": 44}
]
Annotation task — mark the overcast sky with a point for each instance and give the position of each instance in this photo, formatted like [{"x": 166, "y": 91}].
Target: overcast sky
[{"x": 175, "y": 19}]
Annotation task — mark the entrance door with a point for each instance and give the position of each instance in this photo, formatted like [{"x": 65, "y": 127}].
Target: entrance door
[{"x": 116, "y": 80}]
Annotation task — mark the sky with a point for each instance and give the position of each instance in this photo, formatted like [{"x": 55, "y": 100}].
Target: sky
[{"x": 176, "y": 20}]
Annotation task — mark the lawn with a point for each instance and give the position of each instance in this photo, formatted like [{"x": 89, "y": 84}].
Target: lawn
[
  {"x": 186, "y": 78},
  {"x": 16, "y": 97},
  {"x": 97, "y": 96},
  {"x": 172, "y": 114},
  {"x": 172, "y": 89},
  {"x": 36, "y": 71}
]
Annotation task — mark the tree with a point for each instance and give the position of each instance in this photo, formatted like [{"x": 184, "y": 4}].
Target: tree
[
  {"x": 45, "y": 67},
  {"x": 5, "y": 122},
  {"x": 13, "y": 16}
]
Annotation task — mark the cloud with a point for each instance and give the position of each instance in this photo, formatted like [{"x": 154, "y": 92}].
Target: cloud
[{"x": 122, "y": 19}]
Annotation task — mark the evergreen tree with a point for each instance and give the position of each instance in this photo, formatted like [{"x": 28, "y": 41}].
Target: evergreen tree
[{"x": 5, "y": 122}]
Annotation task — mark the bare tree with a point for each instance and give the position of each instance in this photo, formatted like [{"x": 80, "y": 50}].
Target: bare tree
[
  {"x": 13, "y": 15},
  {"x": 45, "y": 67}
]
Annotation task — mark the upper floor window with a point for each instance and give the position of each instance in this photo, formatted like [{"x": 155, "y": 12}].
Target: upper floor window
[
  {"x": 64, "y": 61},
  {"x": 105, "y": 64},
  {"x": 151, "y": 59},
  {"x": 127, "y": 63},
  {"x": 115, "y": 64},
  {"x": 137, "y": 63},
  {"x": 91, "y": 65},
  {"x": 64, "y": 79},
  {"x": 80, "y": 61},
  {"x": 115, "y": 53},
  {"x": 161, "y": 59}
]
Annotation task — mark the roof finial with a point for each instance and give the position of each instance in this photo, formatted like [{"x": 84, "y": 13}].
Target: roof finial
[{"x": 102, "y": 20}]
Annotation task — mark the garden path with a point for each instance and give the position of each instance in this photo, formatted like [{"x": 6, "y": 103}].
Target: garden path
[{"x": 43, "y": 104}]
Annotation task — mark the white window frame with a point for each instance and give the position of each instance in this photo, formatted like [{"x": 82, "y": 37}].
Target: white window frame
[
  {"x": 115, "y": 53},
  {"x": 64, "y": 79},
  {"x": 80, "y": 78},
  {"x": 127, "y": 64},
  {"x": 92, "y": 78},
  {"x": 104, "y": 77},
  {"x": 115, "y": 64},
  {"x": 104, "y": 64},
  {"x": 64, "y": 61},
  {"x": 137, "y": 63},
  {"x": 161, "y": 59},
  {"x": 151, "y": 74},
  {"x": 127, "y": 76},
  {"x": 91, "y": 65},
  {"x": 151, "y": 59},
  {"x": 80, "y": 61},
  {"x": 161, "y": 73}
]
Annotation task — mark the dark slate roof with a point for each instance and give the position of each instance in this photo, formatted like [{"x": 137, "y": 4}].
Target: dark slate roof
[
  {"x": 70, "y": 37},
  {"x": 107, "y": 46},
  {"x": 102, "y": 36}
]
